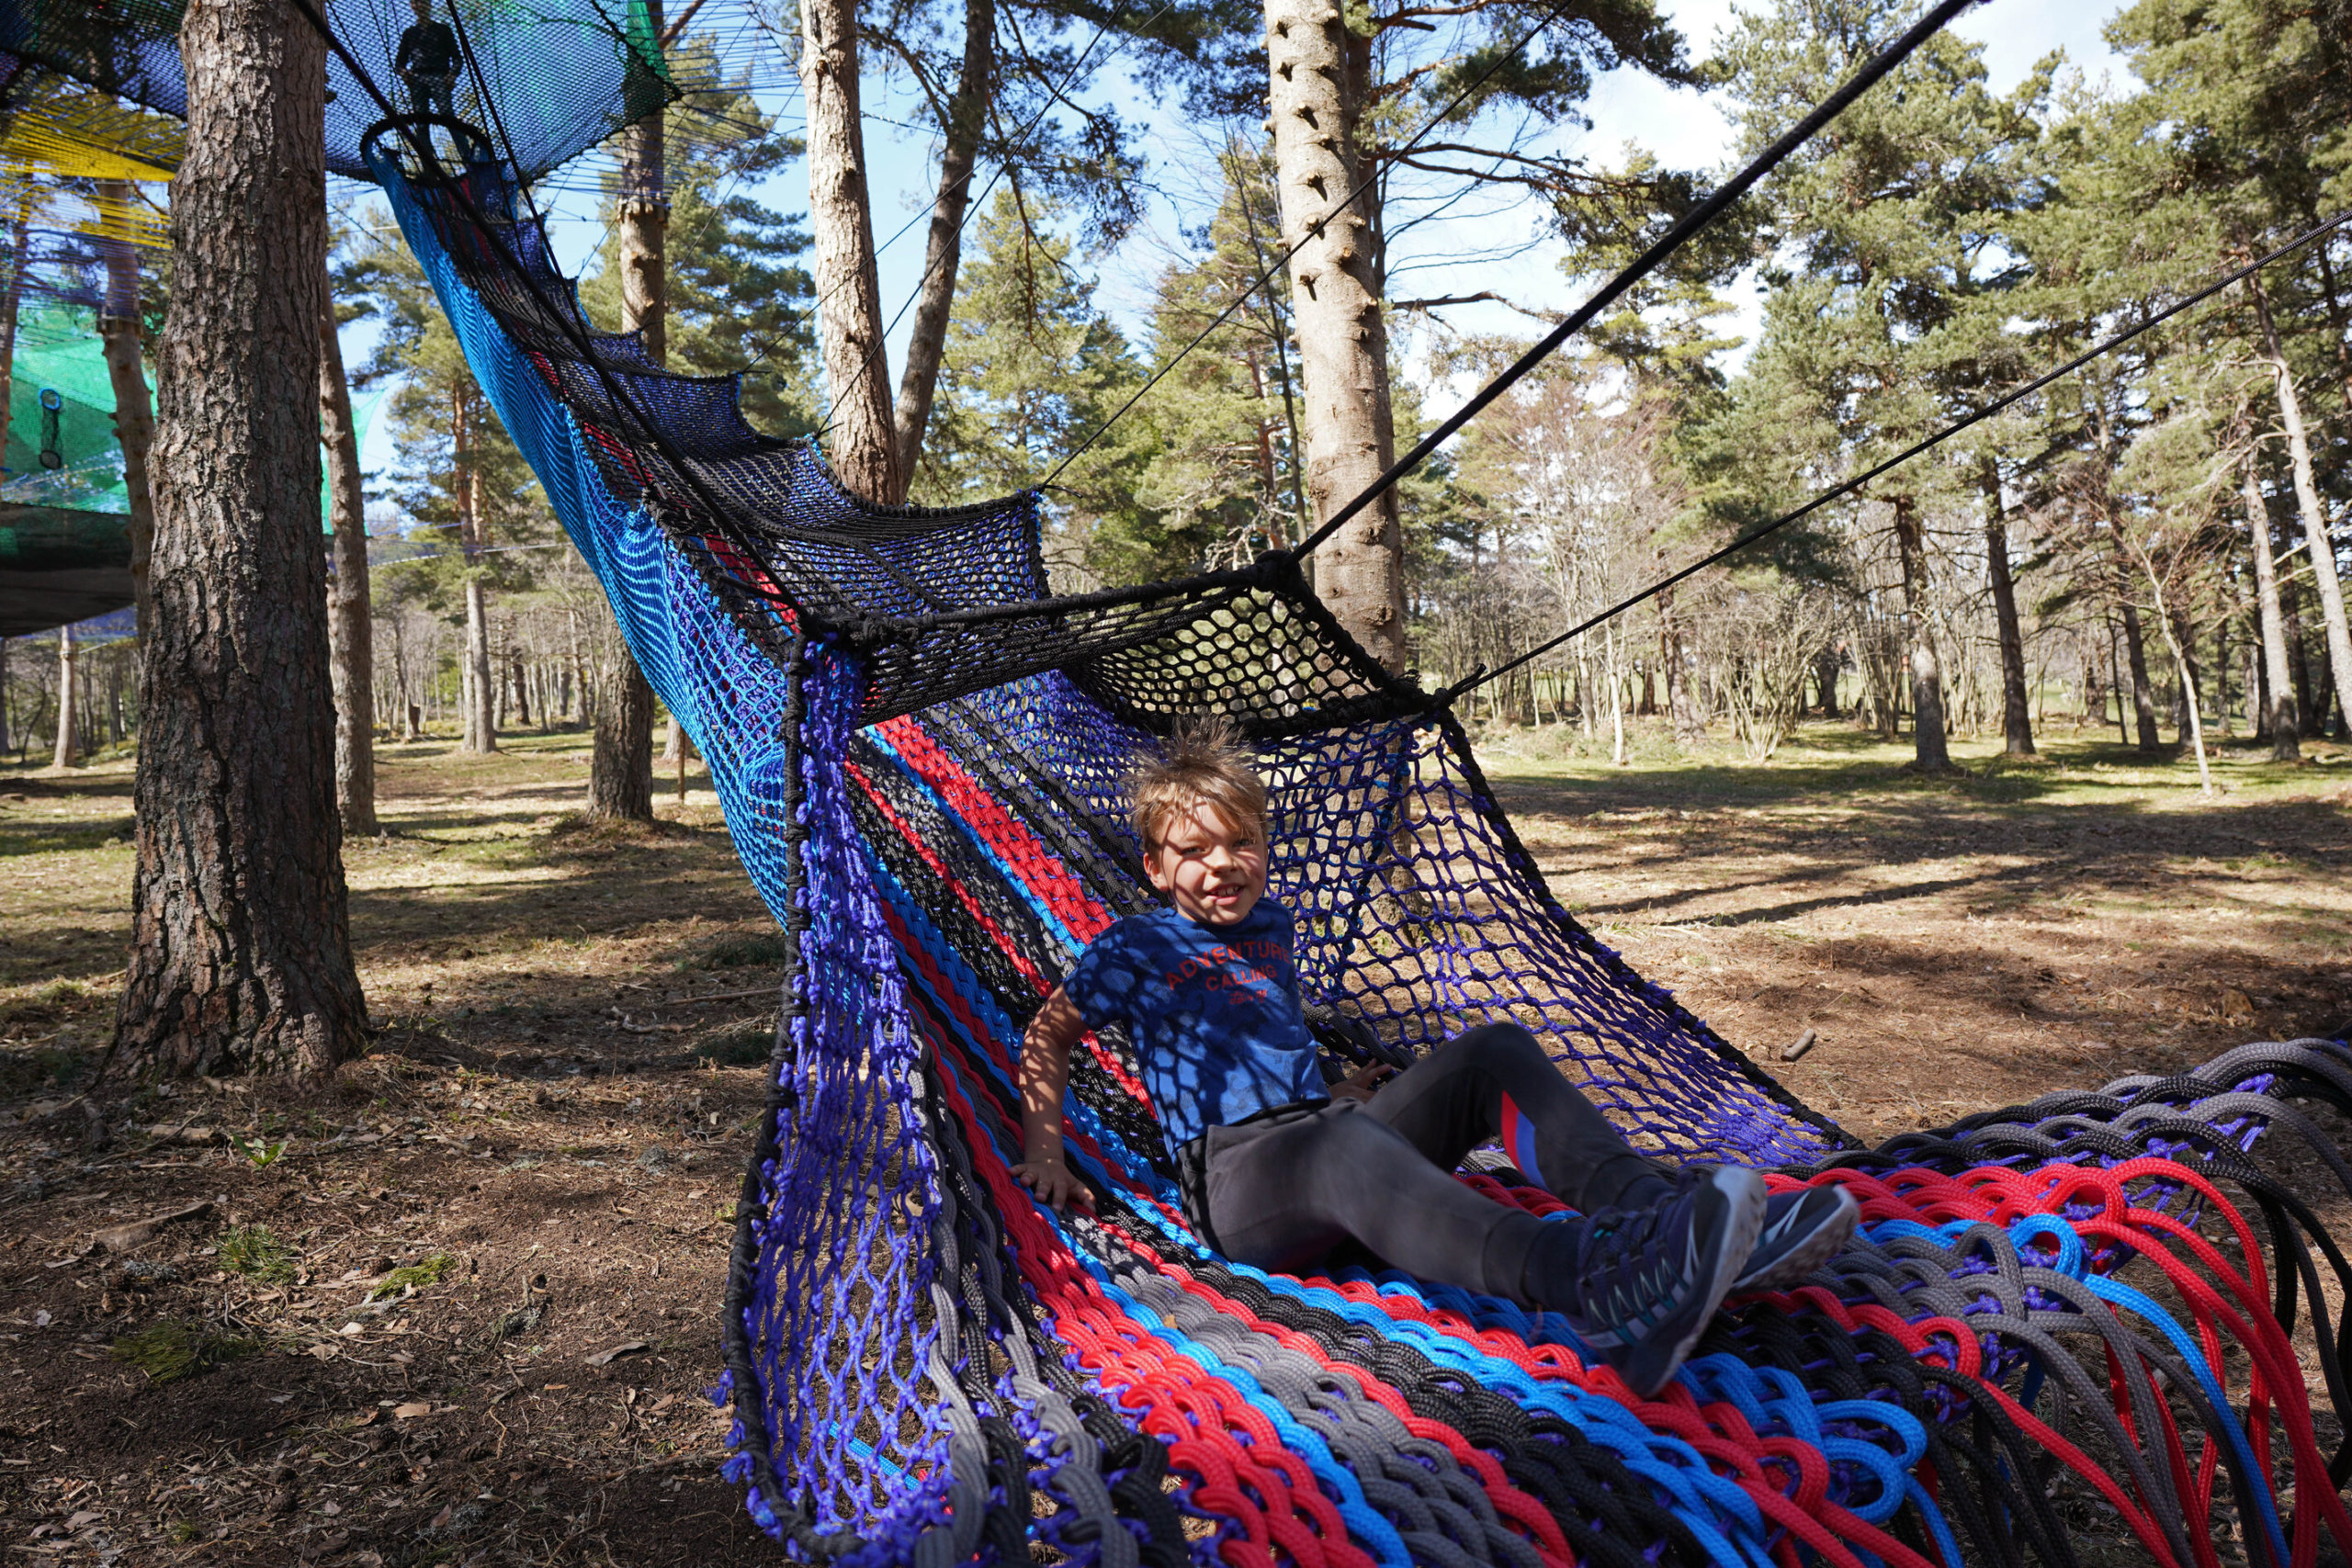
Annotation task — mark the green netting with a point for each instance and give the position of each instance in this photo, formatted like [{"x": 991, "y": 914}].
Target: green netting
[{"x": 58, "y": 351}]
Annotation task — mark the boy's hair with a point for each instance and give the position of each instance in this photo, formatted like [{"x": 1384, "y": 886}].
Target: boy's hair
[{"x": 1203, "y": 764}]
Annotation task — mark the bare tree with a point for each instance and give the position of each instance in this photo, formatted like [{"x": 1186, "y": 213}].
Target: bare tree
[
  {"x": 241, "y": 953},
  {"x": 2279, "y": 715},
  {"x": 2325, "y": 582},
  {"x": 67, "y": 753}
]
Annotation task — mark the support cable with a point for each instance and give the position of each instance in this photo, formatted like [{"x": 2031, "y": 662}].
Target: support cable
[
  {"x": 1641, "y": 266},
  {"x": 1477, "y": 678}
]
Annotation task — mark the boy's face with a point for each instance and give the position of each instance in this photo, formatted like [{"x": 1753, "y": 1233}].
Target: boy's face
[{"x": 1213, "y": 869}]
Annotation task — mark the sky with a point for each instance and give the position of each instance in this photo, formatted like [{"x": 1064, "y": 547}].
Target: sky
[{"x": 1489, "y": 243}]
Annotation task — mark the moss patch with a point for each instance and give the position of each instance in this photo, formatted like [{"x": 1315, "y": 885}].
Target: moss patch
[{"x": 420, "y": 1275}]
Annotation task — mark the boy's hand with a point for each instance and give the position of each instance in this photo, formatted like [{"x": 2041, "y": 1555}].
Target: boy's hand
[
  {"x": 1364, "y": 1082},
  {"x": 1056, "y": 1185}
]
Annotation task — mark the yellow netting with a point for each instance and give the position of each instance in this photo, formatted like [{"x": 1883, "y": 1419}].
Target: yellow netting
[{"x": 55, "y": 129}]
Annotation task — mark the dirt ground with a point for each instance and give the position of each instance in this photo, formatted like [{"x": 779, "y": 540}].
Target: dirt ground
[
  {"x": 462, "y": 1300},
  {"x": 1957, "y": 944}
]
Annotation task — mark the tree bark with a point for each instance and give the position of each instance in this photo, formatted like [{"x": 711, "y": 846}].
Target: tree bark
[
  {"x": 620, "y": 763},
  {"x": 2016, "y": 714},
  {"x": 858, "y": 372},
  {"x": 1319, "y": 71},
  {"x": 2144, "y": 694},
  {"x": 134, "y": 417},
  {"x": 481, "y": 695},
  {"x": 2328, "y": 587},
  {"x": 351, "y": 632},
  {"x": 645, "y": 228},
  {"x": 1930, "y": 753},
  {"x": 2222, "y": 672},
  {"x": 11, "y": 298},
  {"x": 2279, "y": 719},
  {"x": 68, "y": 751},
  {"x": 959, "y": 149},
  {"x": 1825, "y": 665},
  {"x": 620, "y": 760},
  {"x": 241, "y": 952}
]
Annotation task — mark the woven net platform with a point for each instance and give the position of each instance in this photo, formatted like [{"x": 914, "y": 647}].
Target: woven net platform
[{"x": 2103, "y": 1304}]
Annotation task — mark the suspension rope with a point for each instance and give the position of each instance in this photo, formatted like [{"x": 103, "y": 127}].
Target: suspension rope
[
  {"x": 1481, "y": 676},
  {"x": 1649, "y": 260},
  {"x": 1311, "y": 231}
]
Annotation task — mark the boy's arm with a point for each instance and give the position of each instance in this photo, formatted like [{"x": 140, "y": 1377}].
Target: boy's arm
[{"x": 1045, "y": 1075}]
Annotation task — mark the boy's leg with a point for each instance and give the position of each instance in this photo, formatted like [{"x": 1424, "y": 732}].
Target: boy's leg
[
  {"x": 1639, "y": 1286},
  {"x": 1281, "y": 1196},
  {"x": 1494, "y": 1081}
]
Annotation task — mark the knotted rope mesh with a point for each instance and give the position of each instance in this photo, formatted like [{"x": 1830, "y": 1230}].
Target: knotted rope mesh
[{"x": 2077, "y": 1310}]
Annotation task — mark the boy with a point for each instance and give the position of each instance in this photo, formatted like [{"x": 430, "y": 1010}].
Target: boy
[{"x": 1277, "y": 1168}]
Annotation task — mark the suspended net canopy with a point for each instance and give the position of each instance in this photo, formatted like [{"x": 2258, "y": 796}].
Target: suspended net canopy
[
  {"x": 2076, "y": 1309},
  {"x": 564, "y": 74},
  {"x": 59, "y": 566}
]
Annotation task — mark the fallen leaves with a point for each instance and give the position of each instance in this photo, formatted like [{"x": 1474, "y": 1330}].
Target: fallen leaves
[{"x": 605, "y": 1357}]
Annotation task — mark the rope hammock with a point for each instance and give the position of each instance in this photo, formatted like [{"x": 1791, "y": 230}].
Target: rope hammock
[{"x": 919, "y": 750}]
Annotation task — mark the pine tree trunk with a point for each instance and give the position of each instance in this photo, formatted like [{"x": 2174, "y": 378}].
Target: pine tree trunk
[
  {"x": 2325, "y": 585},
  {"x": 520, "y": 682},
  {"x": 858, "y": 372},
  {"x": 2222, "y": 673},
  {"x": 645, "y": 230},
  {"x": 620, "y": 760},
  {"x": 134, "y": 418},
  {"x": 1318, "y": 92},
  {"x": 241, "y": 951},
  {"x": 1930, "y": 754},
  {"x": 620, "y": 763},
  {"x": 2143, "y": 693},
  {"x": 967, "y": 114},
  {"x": 68, "y": 751},
  {"x": 351, "y": 632},
  {"x": 4, "y": 679},
  {"x": 2017, "y": 716},
  {"x": 481, "y": 696}
]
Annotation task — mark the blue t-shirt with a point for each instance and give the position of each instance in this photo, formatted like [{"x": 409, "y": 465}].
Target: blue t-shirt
[{"x": 1213, "y": 1012}]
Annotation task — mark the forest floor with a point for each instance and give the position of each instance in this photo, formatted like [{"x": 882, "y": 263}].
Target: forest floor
[{"x": 463, "y": 1295}]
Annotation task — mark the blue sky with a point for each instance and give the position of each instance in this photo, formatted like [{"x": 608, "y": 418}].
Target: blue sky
[{"x": 1488, "y": 244}]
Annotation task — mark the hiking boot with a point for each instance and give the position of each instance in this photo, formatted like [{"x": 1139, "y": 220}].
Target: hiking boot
[
  {"x": 1647, "y": 1280},
  {"x": 1802, "y": 1229}
]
